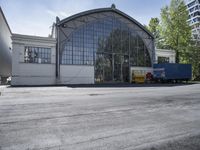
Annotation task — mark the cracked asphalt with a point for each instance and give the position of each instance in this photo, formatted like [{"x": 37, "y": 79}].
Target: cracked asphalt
[{"x": 105, "y": 118}]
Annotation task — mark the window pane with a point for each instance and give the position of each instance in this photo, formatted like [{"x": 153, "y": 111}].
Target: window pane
[
  {"x": 108, "y": 35},
  {"x": 37, "y": 55}
]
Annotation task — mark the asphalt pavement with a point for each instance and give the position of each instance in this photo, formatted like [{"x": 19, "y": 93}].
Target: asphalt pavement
[{"x": 103, "y": 118}]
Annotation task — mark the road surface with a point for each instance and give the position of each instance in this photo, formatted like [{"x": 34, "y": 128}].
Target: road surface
[{"x": 110, "y": 118}]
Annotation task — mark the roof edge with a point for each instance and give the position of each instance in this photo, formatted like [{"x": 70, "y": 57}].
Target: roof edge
[
  {"x": 5, "y": 20},
  {"x": 84, "y": 13},
  {"x": 165, "y": 50},
  {"x": 22, "y": 36}
]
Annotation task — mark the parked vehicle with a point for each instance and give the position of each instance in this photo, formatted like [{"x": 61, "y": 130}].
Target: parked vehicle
[{"x": 172, "y": 72}]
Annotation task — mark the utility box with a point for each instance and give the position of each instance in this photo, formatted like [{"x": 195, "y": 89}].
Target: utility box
[
  {"x": 138, "y": 74},
  {"x": 138, "y": 78}
]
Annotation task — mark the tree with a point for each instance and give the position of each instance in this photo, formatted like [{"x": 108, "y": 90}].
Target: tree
[
  {"x": 193, "y": 57},
  {"x": 175, "y": 30},
  {"x": 154, "y": 28}
]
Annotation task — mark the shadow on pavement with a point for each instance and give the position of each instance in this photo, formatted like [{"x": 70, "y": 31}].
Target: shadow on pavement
[
  {"x": 108, "y": 85},
  {"x": 122, "y": 85}
]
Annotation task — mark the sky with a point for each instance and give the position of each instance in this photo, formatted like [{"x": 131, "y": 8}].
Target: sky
[{"x": 35, "y": 17}]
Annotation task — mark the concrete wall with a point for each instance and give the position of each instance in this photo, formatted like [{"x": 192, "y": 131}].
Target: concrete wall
[
  {"x": 32, "y": 73},
  {"x": 5, "y": 47},
  {"x": 76, "y": 74},
  {"x": 44, "y": 74}
]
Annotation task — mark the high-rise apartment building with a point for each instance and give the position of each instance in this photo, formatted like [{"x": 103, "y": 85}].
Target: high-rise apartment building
[{"x": 194, "y": 17}]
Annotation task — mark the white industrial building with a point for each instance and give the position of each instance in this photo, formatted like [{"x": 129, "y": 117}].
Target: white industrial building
[
  {"x": 40, "y": 73},
  {"x": 96, "y": 46},
  {"x": 165, "y": 56}
]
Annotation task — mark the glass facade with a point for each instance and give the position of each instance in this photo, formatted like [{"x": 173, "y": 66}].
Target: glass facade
[
  {"x": 194, "y": 18},
  {"x": 37, "y": 55},
  {"x": 108, "y": 44}
]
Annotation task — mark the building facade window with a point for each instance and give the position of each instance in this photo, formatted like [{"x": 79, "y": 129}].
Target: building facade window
[
  {"x": 163, "y": 60},
  {"x": 105, "y": 36},
  {"x": 37, "y": 55},
  {"x": 108, "y": 43}
]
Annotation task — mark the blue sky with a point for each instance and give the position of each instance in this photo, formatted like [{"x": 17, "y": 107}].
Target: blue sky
[{"x": 35, "y": 17}]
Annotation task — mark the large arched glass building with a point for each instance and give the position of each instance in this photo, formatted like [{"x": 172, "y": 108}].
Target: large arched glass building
[
  {"x": 107, "y": 39},
  {"x": 96, "y": 46}
]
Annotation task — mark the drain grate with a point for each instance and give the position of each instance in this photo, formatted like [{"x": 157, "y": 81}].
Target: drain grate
[{"x": 95, "y": 94}]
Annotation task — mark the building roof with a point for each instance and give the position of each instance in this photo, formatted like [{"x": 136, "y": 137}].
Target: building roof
[
  {"x": 165, "y": 50},
  {"x": 1, "y": 11},
  {"x": 30, "y": 38},
  {"x": 109, "y": 9}
]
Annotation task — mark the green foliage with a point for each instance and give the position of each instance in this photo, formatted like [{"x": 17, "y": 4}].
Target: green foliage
[
  {"x": 154, "y": 28},
  {"x": 175, "y": 32},
  {"x": 193, "y": 57},
  {"x": 172, "y": 31}
]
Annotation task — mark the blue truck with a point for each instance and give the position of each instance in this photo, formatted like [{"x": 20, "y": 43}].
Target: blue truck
[{"x": 172, "y": 72}]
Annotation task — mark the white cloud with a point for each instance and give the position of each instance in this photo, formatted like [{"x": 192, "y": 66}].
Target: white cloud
[
  {"x": 63, "y": 8},
  {"x": 64, "y": 14},
  {"x": 34, "y": 25},
  {"x": 61, "y": 14},
  {"x": 52, "y": 13}
]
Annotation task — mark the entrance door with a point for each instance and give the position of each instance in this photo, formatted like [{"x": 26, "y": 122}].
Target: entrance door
[
  {"x": 111, "y": 68},
  {"x": 118, "y": 68},
  {"x": 121, "y": 68},
  {"x": 99, "y": 68},
  {"x": 108, "y": 69},
  {"x": 125, "y": 68}
]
